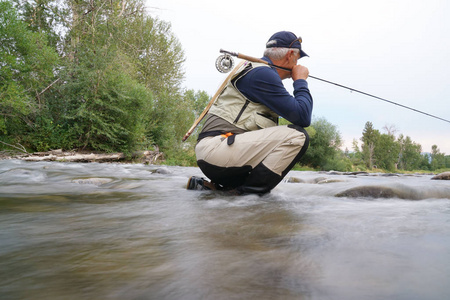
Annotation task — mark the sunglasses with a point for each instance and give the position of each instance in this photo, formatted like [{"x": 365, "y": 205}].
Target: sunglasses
[{"x": 299, "y": 39}]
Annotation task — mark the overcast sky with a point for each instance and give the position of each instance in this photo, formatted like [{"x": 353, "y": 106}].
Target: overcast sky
[{"x": 395, "y": 49}]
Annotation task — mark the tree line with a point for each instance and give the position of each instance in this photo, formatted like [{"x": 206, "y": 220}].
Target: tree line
[
  {"x": 107, "y": 76},
  {"x": 382, "y": 151}
]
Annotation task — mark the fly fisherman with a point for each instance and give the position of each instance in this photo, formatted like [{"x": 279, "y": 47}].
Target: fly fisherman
[{"x": 241, "y": 148}]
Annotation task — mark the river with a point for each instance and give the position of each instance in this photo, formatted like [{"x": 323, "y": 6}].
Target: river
[{"x": 132, "y": 231}]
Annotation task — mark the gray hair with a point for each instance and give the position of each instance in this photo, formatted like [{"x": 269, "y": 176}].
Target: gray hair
[{"x": 276, "y": 53}]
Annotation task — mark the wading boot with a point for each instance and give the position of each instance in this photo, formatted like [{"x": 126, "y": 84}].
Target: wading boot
[{"x": 199, "y": 184}]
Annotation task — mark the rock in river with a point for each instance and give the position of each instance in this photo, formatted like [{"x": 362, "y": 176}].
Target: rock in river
[
  {"x": 442, "y": 176},
  {"x": 380, "y": 192}
]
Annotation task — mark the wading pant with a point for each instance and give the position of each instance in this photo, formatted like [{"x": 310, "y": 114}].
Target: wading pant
[{"x": 256, "y": 161}]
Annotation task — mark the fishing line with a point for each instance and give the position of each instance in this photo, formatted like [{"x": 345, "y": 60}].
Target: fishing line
[
  {"x": 379, "y": 98},
  {"x": 224, "y": 60}
]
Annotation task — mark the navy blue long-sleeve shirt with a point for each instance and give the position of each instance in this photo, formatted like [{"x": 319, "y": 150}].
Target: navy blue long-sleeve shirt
[{"x": 264, "y": 85}]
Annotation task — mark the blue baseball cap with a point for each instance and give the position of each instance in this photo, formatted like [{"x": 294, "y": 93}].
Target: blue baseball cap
[{"x": 286, "y": 39}]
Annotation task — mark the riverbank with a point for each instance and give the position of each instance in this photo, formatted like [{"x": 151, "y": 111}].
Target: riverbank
[
  {"x": 146, "y": 157},
  {"x": 158, "y": 157}
]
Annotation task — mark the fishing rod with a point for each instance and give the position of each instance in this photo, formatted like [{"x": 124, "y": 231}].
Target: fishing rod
[{"x": 225, "y": 62}]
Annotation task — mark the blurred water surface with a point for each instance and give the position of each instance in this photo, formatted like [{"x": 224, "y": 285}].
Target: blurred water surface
[{"x": 130, "y": 231}]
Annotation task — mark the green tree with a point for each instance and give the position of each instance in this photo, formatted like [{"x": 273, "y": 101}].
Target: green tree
[
  {"x": 158, "y": 57},
  {"x": 155, "y": 51},
  {"x": 27, "y": 66},
  {"x": 115, "y": 88},
  {"x": 107, "y": 108},
  {"x": 323, "y": 151},
  {"x": 386, "y": 152},
  {"x": 370, "y": 138},
  {"x": 195, "y": 102},
  {"x": 120, "y": 79},
  {"x": 410, "y": 157},
  {"x": 437, "y": 158},
  {"x": 356, "y": 157},
  {"x": 191, "y": 105},
  {"x": 425, "y": 162},
  {"x": 199, "y": 100},
  {"x": 45, "y": 16}
]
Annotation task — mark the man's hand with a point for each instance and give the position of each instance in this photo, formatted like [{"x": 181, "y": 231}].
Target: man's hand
[{"x": 299, "y": 72}]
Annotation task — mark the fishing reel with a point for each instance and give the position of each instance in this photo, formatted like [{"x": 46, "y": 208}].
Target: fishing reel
[{"x": 224, "y": 63}]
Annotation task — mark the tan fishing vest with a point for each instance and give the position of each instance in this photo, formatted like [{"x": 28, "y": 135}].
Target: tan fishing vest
[{"x": 235, "y": 108}]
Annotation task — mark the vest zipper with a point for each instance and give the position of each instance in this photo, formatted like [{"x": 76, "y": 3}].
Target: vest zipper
[{"x": 242, "y": 111}]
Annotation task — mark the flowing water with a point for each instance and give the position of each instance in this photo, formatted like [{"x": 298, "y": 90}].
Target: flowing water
[{"x": 130, "y": 231}]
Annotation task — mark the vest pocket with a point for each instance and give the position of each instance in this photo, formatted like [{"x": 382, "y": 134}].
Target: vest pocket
[{"x": 263, "y": 121}]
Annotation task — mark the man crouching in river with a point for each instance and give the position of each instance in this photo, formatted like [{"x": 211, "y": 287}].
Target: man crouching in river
[{"x": 241, "y": 148}]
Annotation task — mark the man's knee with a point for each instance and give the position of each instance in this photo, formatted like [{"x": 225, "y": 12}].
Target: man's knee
[{"x": 302, "y": 130}]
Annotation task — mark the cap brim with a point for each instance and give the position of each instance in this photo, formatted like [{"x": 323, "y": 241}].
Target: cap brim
[{"x": 303, "y": 53}]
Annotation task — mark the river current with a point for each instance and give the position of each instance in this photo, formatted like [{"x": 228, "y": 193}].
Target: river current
[{"x": 132, "y": 231}]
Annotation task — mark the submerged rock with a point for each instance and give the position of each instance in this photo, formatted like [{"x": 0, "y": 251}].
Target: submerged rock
[
  {"x": 93, "y": 181},
  {"x": 356, "y": 173},
  {"x": 294, "y": 180},
  {"x": 329, "y": 181},
  {"x": 442, "y": 176},
  {"x": 390, "y": 175},
  {"x": 162, "y": 170},
  {"x": 380, "y": 192},
  {"x": 318, "y": 180}
]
